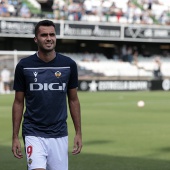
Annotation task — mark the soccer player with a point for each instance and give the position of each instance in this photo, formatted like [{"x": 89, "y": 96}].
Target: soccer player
[{"x": 45, "y": 80}]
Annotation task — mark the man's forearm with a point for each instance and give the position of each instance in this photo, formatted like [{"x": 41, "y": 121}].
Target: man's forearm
[
  {"x": 17, "y": 112},
  {"x": 76, "y": 115}
]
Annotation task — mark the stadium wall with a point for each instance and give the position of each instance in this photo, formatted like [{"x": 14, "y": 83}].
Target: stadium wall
[
  {"x": 24, "y": 28},
  {"x": 124, "y": 85}
]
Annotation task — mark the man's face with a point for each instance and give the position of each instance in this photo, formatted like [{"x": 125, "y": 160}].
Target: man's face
[{"x": 46, "y": 38}]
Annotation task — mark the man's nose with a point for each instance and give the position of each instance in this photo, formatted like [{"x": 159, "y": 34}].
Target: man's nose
[{"x": 48, "y": 37}]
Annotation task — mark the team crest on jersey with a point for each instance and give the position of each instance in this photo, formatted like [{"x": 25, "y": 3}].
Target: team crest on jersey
[
  {"x": 58, "y": 74},
  {"x": 29, "y": 161}
]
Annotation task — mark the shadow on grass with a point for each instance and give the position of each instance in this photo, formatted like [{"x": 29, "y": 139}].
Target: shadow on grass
[
  {"x": 89, "y": 162},
  {"x": 104, "y": 162},
  {"x": 94, "y": 142},
  {"x": 9, "y": 162},
  {"x": 166, "y": 149}
]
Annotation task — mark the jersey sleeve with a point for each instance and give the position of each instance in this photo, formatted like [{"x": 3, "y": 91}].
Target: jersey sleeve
[
  {"x": 19, "y": 80},
  {"x": 73, "y": 81}
]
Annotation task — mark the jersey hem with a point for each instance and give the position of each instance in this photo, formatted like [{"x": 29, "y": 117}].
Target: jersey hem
[{"x": 43, "y": 136}]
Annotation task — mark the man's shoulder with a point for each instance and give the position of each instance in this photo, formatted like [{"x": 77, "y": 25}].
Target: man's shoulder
[
  {"x": 27, "y": 60},
  {"x": 65, "y": 58}
]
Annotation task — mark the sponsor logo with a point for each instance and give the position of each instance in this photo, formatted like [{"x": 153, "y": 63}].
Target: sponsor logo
[
  {"x": 166, "y": 85},
  {"x": 46, "y": 86},
  {"x": 35, "y": 74},
  {"x": 114, "y": 85}
]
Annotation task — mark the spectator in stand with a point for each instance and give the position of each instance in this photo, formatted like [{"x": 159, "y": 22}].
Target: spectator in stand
[
  {"x": 64, "y": 12},
  {"x": 4, "y": 9},
  {"x": 56, "y": 9},
  {"x": 5, "y": 79},
  {"x": 135, "y": 56},
  {"x": 130, "y": 54},
  {"x": 124, "y": 53},
  {"x": 164, "y": 18},
  {"x": 146, "y": 18},
  {"x": 128, "y": 12},
  {"x": 59, "y": 9},
  {"x": 119, "y": 14},
  {"x": 137, "y": 12},
  {"x": 75, "y": 11},
  {"x": 1, "y": 10},
  {"x": 108, "y": 9},
  {"x": 150, "y": 2},
  {"x": 24, "y": 11},
  {"x": 18, "y": 6},
  {"x": 11, "y": 10},
  {"x": 88, "y": 7},
  {"x": 112, "y": 10},
  {"x": 157, "y": 68}
]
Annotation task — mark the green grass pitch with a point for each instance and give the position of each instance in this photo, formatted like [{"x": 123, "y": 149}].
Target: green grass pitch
[{"x": 117, "y": 135}]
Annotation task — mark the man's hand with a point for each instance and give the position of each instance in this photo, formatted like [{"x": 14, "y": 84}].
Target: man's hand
[
  {"x": 16, "y": 148},
  {"x": 77, "y": 145}
]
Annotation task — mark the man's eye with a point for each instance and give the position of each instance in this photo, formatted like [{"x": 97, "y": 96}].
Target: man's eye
[
  {"x": 43, "y": 35},
  {"x": 52, "y": 35}
]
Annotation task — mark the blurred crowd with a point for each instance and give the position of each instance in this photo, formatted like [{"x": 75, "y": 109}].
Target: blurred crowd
[
  {"x": 14, "y": 8},
  {"x": 122, "y": 11}
]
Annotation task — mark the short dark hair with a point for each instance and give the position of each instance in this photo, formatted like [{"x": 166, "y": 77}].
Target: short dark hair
[{"x": 43, "y": 23}]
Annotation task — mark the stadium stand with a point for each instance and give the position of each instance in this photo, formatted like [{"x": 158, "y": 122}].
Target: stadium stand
[
  {"x": 124, "y": 11},
  {"x": 103, "y": 67}
]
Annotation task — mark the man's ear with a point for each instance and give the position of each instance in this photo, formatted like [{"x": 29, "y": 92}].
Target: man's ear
[{"x": 35, "y": 39}]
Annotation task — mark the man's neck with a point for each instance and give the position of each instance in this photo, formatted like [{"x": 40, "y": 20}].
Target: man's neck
[{"x": 46, "y": 57}]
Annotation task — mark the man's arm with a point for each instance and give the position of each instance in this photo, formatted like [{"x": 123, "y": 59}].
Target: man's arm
[
  {"x": 74, "y": 106},
  {"x": 17, "y": 112}
]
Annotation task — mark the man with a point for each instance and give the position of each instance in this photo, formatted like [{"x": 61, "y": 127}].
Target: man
[
  {"x": 5, "y": 79},
  {"x": 157, "y": 68},
  {"x": 44, "y": 80}
]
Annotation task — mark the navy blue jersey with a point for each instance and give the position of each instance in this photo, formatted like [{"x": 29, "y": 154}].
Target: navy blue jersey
[{"x": 45, "y": 86}]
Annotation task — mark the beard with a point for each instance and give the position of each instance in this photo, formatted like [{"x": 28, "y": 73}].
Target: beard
[{"x": 47, "y": 48}]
